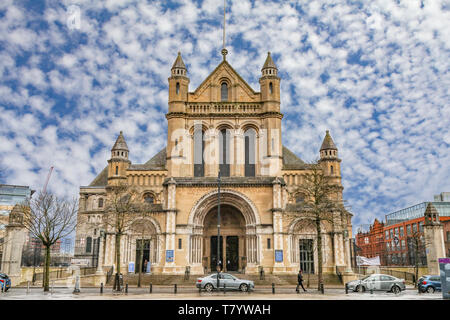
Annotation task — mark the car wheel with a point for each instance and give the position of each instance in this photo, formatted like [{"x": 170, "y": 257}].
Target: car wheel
[
  {"x": 430, "y": 289},
  {"x": 243, "y": 287},
  {"x": 396, "y": 289},
  {"x": 360, "y": 288},
  {"x": 209, "y": 287}
]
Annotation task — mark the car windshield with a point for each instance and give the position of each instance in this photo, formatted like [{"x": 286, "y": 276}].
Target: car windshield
[{"x": 3, "y": 276}]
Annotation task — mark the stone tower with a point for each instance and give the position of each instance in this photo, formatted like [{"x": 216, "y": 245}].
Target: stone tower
[
  {"x": 434, "y": 238},
  {"x": 329, "y": 159},
  {"x": 178, "y": 97},
  {"x": 270, "y": 98},
  {"x": 119, "y": 163}
]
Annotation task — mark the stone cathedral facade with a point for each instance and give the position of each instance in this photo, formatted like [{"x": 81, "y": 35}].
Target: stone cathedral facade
[{"x": 225, "y": 125}]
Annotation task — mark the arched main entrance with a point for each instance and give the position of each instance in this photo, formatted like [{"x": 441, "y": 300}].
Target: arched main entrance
[
  {"x": 232, "y": 238},
  {"x": 238, "y": 242}
]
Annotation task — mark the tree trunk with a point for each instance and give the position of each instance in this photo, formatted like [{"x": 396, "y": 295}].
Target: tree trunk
[
  {"x": 47, "y": 268},
  {"x": 319, "y": 254},
  {"x": 141, "y": 256},
  {"x": 117, "y": 248}
]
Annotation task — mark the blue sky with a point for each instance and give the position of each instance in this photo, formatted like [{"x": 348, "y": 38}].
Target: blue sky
[{"x": 375, "y": 73}]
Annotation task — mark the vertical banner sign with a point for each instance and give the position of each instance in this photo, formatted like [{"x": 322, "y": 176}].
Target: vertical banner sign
[
  {"x": 169, "y": 255},
  {"x": 130, "y": 267},
  {"x": 278, "y": 255},
  {"x": 444, "y": 267}
]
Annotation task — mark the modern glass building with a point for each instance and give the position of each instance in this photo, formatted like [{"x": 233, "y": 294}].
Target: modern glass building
[{"x": 417, "y": 211}]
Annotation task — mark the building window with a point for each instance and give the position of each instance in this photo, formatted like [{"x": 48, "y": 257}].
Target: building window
[
  {"x": 414, "y": 227},
  {"x": 391, "y": 232},
  {"x": 100, "y": 203},
  {"x": 199, "y": 146},
  {"x": 421, "y": 226},
  {"x": 270, "y": 88},
  {"x": 148, "y": 198},
  {"x": 178, "y": 88},
  {"x": 401, "y": 232},
  {"x": 408, "y": 229},
  {"x": 117, "y": 170},
  {"x": 331, "y": 170},
  {"x": 224, "y": 92},
  {"x": 250, "y": 152},
  {"x": 366, "y": 240},
  {"x": 268, "y": 243},
  {"x": 179, "y": 243},
  {"x": 88, "y": 244},
  {"x": 299, "y": 198},
  {"x": 387, "y": 234},
  {"x": 224, "y": 153}
]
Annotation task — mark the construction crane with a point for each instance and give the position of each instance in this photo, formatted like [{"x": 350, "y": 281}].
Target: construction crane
[{"x": 46, "y": 181}]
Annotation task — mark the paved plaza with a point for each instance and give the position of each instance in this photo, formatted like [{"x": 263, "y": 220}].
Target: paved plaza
[{"x": 191, "y": 293}]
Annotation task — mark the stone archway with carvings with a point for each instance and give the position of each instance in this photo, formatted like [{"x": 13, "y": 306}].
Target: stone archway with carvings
[{"x": 237, "y": 204}]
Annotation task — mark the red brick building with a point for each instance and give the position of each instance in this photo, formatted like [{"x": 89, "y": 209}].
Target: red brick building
[{"x": 400, "y": 240}]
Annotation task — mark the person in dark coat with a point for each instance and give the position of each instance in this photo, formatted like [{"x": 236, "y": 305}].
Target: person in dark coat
[{"x": 300, "y": 281}]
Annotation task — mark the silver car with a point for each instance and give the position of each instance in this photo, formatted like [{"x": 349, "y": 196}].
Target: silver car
[
  {"x": 381, "y": 282},
  {"x": 226, "y": 280}
]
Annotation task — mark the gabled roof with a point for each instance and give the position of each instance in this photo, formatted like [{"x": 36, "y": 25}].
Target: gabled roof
[
  {"x": 225, "y": 63},
  {"x": 291, "y": 161}
]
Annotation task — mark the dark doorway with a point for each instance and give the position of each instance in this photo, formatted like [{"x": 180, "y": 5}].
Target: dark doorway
[
  {"x": 142, "y": 247},
  {"x": 306, "y": 256},
  {"x": 214, "y": 252},
  {"x": 232, "y": 253}
]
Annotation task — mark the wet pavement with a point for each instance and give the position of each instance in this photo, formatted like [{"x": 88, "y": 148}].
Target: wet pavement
[{"x": 190, "y": 293}]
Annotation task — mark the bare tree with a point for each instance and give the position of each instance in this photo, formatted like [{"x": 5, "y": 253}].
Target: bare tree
[
  {"x": 122, "y": 208},
  {"x": 49, "y": 219},
  {"x": 321, "y": 205},
  {"x": 417, "y": 245}
]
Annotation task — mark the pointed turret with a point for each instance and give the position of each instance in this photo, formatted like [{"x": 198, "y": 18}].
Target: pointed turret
[
  {"x": 328, "y": 143},
  {"x": 120, "y": 148},
  {"x": 269, "y": 68},
  {"x": 119, "y": 163},
  {"x": 329, "y": 156},
  {"x": 178, "y": 67}
]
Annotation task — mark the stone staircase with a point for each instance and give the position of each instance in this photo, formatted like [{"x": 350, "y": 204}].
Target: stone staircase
[{"x": 281, "y": 280}]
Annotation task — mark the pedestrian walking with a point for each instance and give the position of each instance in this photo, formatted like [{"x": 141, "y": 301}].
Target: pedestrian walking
[{"x": 300, "y": 281}]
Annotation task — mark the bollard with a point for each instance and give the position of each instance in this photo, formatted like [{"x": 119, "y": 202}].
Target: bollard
[
  {"x": 199, "y": 290},
  {"x": 273, "y": 288},
  {"x": 321, "y": 288},
  {"x": 418, "y": 289},
  {"x": 28, "y": 287},
  {"x": 371, "y": 291},
  {"x": 53, "y": 284},
  {"x": 175, "y": 288},
  {"x": 101, "y": 287},
  {"x": 346, "y": 288},
  {"x": 126, "y": 287},
  {"x": 151, "y": 288},
  {"x": 224, "y": 288}
]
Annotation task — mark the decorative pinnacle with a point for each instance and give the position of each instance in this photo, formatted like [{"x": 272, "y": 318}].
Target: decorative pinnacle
[{"x": 224, "y": 53}]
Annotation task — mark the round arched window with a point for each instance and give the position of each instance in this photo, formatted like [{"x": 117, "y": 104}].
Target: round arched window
[
  {"x": 149, "y": 198},
  {"x": 299, "y": 198}
]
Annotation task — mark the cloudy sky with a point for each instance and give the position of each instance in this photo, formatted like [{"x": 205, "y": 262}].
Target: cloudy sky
[{"x": 375, "y": 73}]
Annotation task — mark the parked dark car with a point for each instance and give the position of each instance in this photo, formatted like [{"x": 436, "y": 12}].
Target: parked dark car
[
  {"x": 382, "y": 282},
  {"x": 5, "y": 282},
  {"x": 430, "y": 283}
]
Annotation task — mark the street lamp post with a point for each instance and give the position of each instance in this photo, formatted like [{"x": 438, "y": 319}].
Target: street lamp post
[{"x": 218, "y": 231}]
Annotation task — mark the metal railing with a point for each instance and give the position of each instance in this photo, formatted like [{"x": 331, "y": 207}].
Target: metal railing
[{"x": 63, "y": 273}]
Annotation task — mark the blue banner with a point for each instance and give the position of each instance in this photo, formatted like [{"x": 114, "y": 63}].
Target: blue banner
[
  {"x": 278, "y": 255},
  {"x": 130, "y": 267},
  {"x": 169, "y": 255}
]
